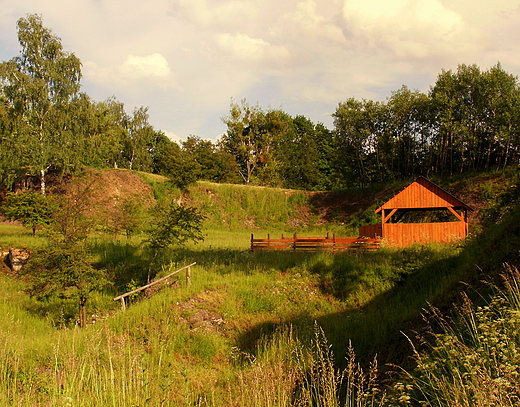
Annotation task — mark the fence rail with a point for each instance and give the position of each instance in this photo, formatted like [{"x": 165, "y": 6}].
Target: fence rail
[
  {"x": 159, "y": 280},
  {"x": 315, "y": 243}
]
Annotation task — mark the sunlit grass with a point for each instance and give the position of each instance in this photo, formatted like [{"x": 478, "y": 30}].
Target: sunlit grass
[
  {"x": 15, "y": 235},
  {"x": 244, "y": 332}
]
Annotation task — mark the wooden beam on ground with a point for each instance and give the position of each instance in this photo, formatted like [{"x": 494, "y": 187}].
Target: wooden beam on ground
[{"x": 188, "y": 281}]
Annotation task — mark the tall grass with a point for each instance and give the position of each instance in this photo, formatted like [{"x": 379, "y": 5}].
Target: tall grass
[
  {"x": 242, "y": 333},
  {"x": 474, "y": 360}
]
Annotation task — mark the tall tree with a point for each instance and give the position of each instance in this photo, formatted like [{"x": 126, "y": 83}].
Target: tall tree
[
  {"x": 212, "y": 162},
  {"x": 356, "y": 124},
  {"x": 246, "y": 137},
  {"x": 37, "y": 86},
  {"x": 408, "y": 130},
  {"x": 476, "y": 115},
  {"x": 170, "y": 160},
  {"x": 140, "y": 140},
  {"x": 503, "y": 111},
  {"x": 298, "y": 156},
  {"x": 327, "y": 157}
]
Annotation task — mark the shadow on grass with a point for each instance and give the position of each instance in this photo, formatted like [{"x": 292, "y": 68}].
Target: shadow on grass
[
  {"x": 414, "y": 278},
  {"x": 377, "y": 327},
  {"x": 125, "y": 262}
]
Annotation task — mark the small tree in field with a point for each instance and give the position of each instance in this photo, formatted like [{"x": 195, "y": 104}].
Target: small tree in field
[
  {"x": 173, "y": 225},
  {"x": 129, "y": 217},
  {"x": 29, "y": 207},
  {"x": 64, "y": 269}
]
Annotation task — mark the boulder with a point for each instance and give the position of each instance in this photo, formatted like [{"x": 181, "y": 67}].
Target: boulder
[{"x": 17, "y": 258}]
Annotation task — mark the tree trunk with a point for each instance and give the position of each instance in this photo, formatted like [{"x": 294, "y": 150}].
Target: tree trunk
[
  {"x": 42, "y": 181},
  {"x": 82, "y": 312},
  {"x": 150, "y": 266}
]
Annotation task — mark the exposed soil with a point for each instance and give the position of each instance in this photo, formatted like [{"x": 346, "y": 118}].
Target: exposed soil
[
  {"x": 200, "y": 313},
  {"x": 109, "y": 187}
]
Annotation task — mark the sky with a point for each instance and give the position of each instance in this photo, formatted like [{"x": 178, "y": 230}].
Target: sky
[{"x": 187, "y": 60}]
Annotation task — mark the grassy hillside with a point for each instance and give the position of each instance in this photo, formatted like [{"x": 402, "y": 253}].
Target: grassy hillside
[{"x": 257, "y": 329}]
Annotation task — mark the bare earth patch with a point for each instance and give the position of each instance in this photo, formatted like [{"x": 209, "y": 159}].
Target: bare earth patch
[{"x": 200, "y": 312}]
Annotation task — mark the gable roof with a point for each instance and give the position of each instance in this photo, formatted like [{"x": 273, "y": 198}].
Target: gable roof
[{"x": 423, "y": 194}]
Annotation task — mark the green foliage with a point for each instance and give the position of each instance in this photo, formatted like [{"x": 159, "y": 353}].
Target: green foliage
[
  {"x": 63, "y": 269},
  {"x": 211, "y": 163},
  {"x": 129, "y": 217},
  {"x": 503, "y": 204},
  {"x": 33, "y": 209},
  {"x": 70, "y": 219},
  {"x": 174, "y": 224},
  {"x": 39, "y": 86},
  {"x": 474, "y": 360}
]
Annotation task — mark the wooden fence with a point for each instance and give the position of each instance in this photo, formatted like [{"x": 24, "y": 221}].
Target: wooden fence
[
  {"x": 333, "y": 243},
  {"x": 159, "y": 280}
]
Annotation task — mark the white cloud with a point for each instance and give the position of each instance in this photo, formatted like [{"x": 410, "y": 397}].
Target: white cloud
[
  {"x": 185, "y": 59},
  {"x": 137, "y": 67},
  {"x": 245, "y": 48},
  {"x": 173, "y": 137},
  {"x": 148, "y": 70},
  {"x": 410, "y": 28},
  {"x": 312, "y": 23},
  {"x": 225, "y": 14}
]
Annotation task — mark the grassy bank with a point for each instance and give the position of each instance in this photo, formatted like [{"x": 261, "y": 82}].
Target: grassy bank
[
  {"x": 207, "y": 343},
  {"x": 272, "y": 329}
]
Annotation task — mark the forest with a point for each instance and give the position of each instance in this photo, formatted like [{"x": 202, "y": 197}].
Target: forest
[{"x": 467, "y": 122}]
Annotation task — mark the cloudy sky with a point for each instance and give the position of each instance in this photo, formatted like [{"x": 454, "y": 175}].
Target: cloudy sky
[{"x": 187, "y": 59}]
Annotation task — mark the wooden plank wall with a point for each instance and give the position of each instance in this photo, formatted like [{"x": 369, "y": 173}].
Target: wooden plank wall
[{"x": 405, "y": 234}]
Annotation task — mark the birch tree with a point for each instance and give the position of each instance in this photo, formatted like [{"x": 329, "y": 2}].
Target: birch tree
[{"x": 37, "y": 87}]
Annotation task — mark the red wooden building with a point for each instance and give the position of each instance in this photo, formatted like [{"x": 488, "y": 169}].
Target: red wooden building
[{"x": 420, "y": 213}]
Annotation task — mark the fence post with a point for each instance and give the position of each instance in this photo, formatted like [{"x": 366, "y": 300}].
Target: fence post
[
  {"x": 188, "y": 276},
  {"x": 294, "y": 241},
  {"x": 252, "y": 244},
  {"x": 123, "y": 305}
]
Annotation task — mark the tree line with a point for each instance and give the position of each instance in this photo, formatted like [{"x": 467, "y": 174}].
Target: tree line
[{"x": 466, "y": 122}]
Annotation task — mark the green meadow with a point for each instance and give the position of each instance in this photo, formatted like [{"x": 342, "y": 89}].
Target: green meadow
[{"x": 412, "y": 326}]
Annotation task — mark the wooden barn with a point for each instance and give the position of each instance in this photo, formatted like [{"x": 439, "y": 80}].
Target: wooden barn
[{"x": 420, "y": 213}]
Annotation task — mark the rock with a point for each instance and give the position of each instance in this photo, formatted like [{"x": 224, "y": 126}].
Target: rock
[
  {"x": 4, "y": 268},
  {"x": 17, "y": 258}
]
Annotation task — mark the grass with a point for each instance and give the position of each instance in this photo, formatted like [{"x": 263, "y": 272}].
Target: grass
[
  {"x": 15, "y": 235},
  {"x": 473, "y": 360},
  {"x": 268, "y": 329},
  {"x": 185, "y": 338}
]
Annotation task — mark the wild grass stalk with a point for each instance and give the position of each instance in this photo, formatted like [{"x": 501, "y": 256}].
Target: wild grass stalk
[
  {"x": 474, "y": 361},
  {"x": 287, "y": 372}
]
